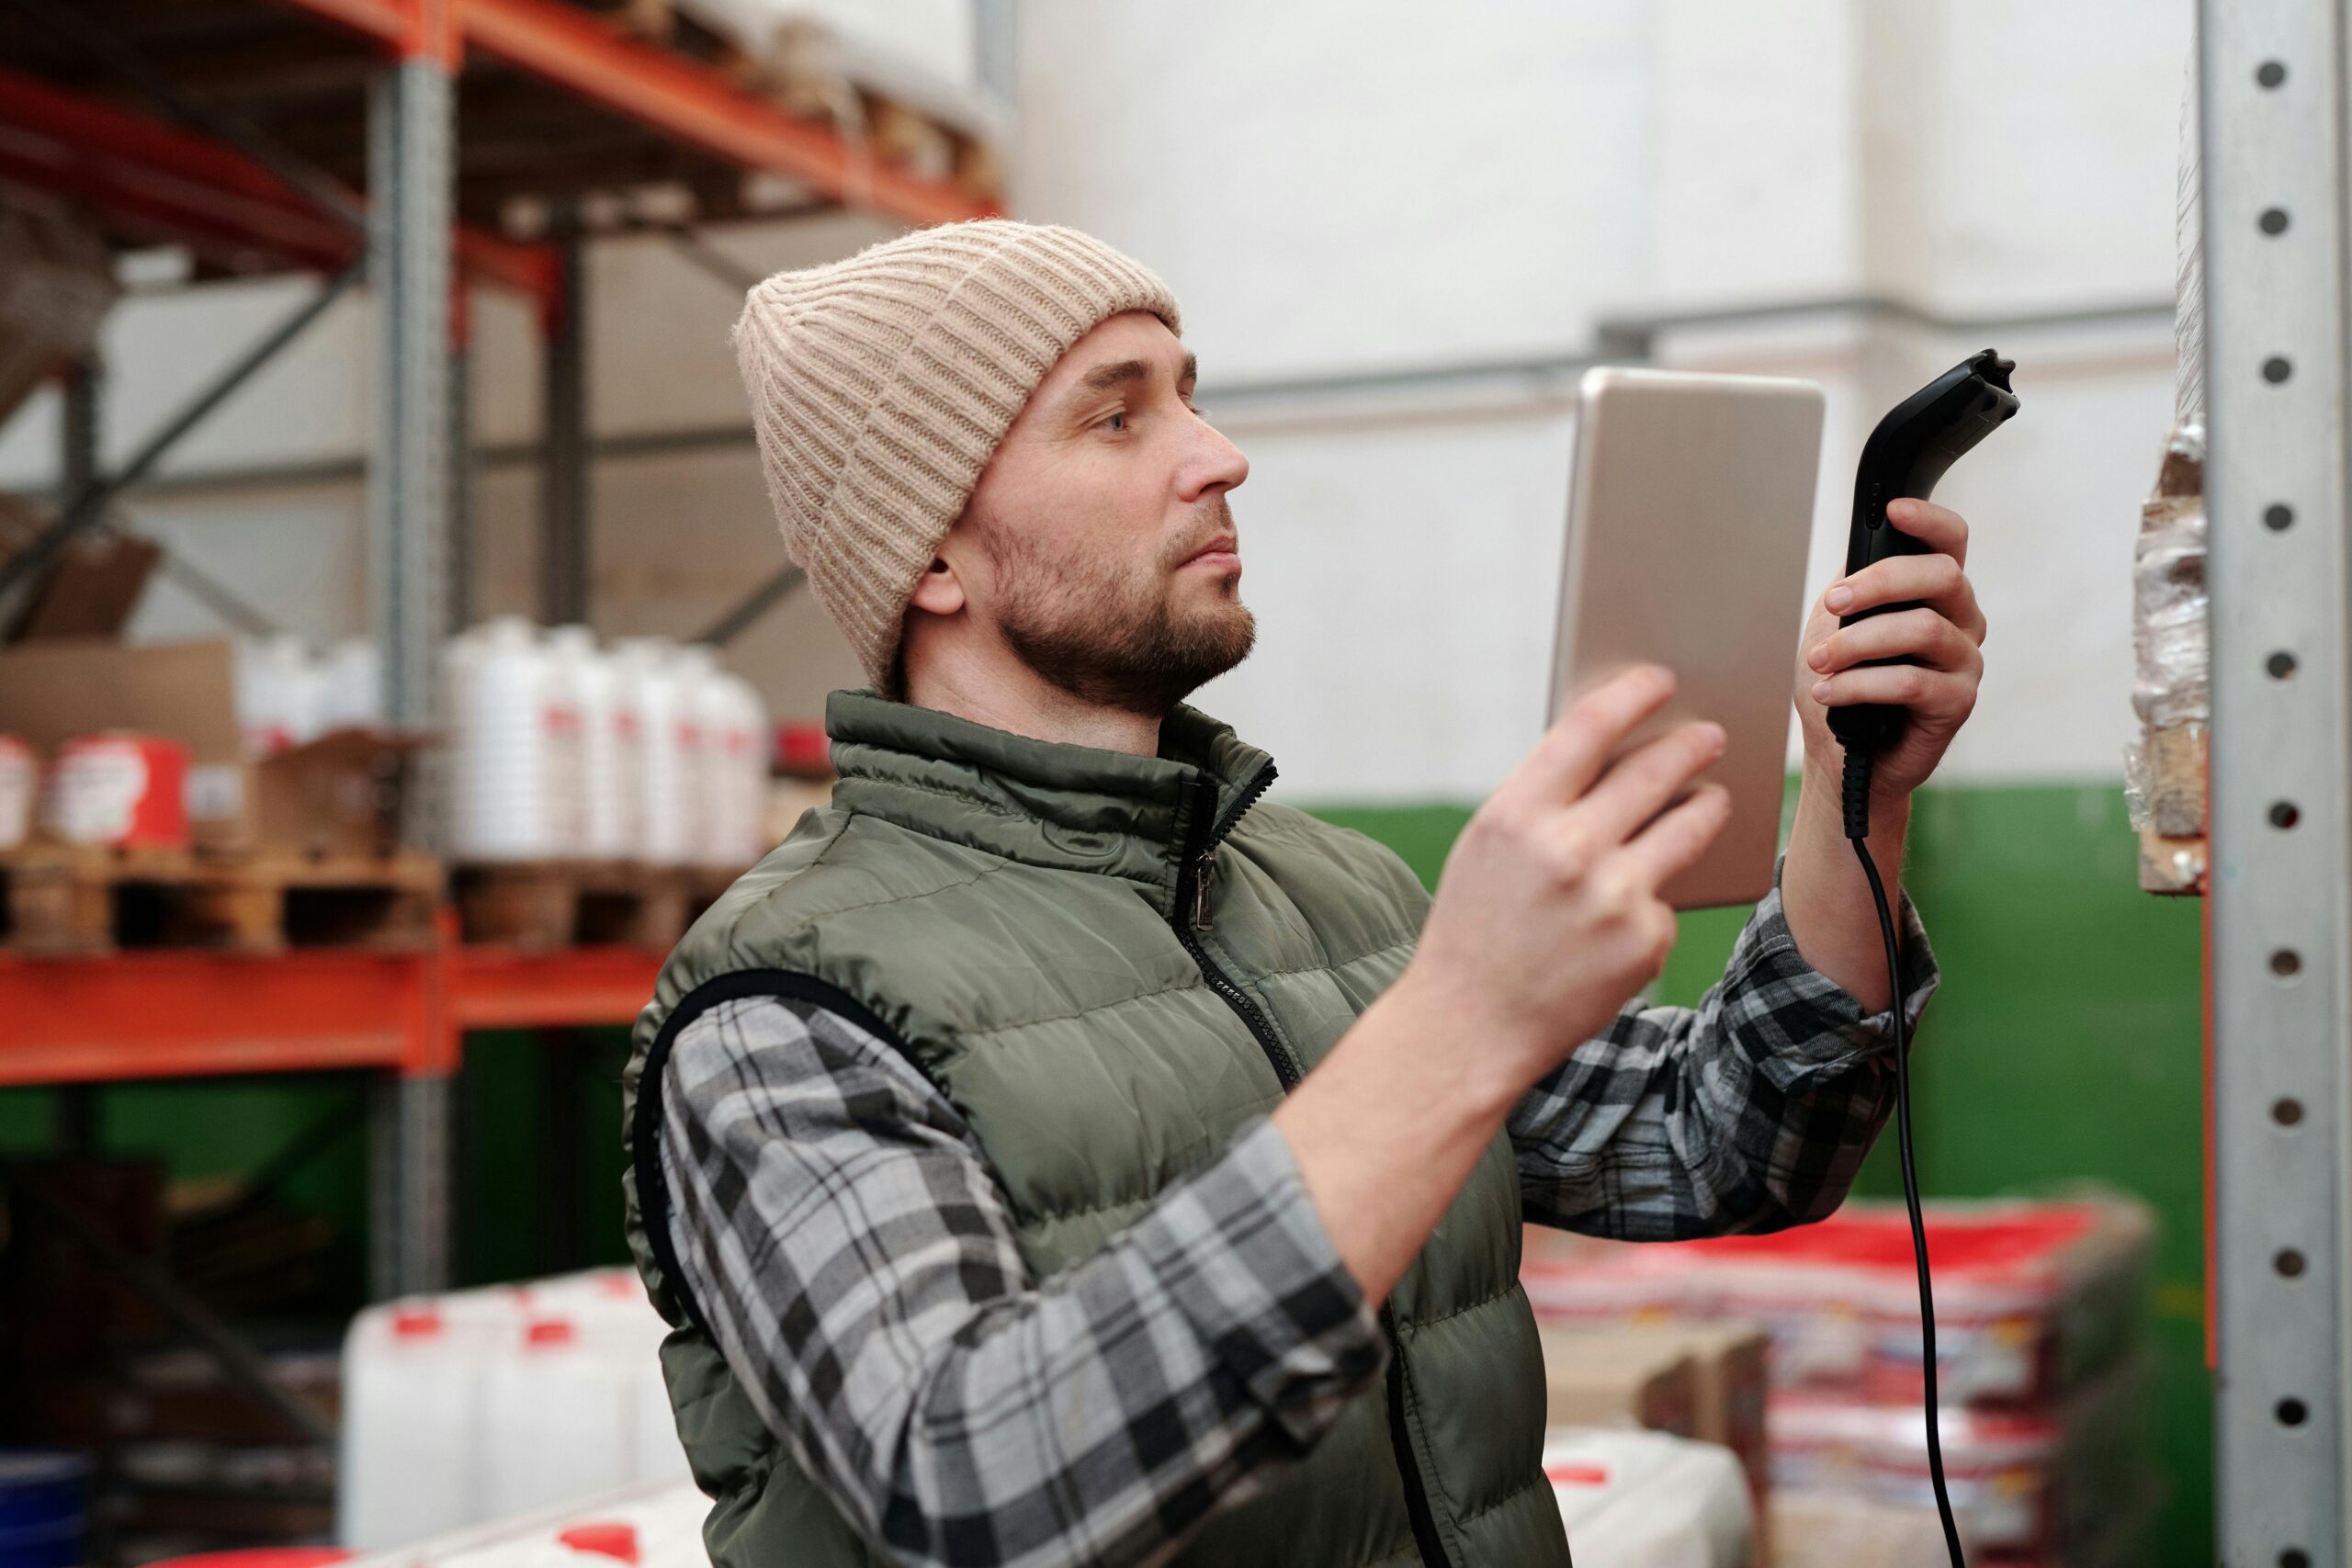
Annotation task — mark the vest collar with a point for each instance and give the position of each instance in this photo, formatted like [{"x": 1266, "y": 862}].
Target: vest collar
[{"x": 1045, "y": 803}]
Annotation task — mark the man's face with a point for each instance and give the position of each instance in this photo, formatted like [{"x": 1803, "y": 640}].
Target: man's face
[{"x": 1098, "y": 542}]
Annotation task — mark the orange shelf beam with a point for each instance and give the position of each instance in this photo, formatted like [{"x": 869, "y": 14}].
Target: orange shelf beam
[
  {"x": 589, "y": 57},
  {"x": 178, "y": 1014},
  {"x": 186, "y": 1014},
  {"x": 212, "y": 197},
  {"x": 499, "y": 988}
]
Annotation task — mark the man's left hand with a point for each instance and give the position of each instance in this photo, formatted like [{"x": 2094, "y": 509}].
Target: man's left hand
[{"x": 1944, "y": 633}]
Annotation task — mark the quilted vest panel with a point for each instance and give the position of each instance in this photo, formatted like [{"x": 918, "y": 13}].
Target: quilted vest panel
[{"x": 1108, "y": 964}]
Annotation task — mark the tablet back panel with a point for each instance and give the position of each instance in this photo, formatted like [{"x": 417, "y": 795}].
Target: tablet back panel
[{"x": 1688, "y": 519}]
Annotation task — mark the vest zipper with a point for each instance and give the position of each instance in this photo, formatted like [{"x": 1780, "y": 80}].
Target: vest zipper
[{"x": 1194, "y": 875}]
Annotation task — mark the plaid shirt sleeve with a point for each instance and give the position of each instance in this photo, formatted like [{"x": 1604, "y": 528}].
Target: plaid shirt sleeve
[
  {"x": 1750, "y": 1111},
  {"x": 854, "y": 1259}
]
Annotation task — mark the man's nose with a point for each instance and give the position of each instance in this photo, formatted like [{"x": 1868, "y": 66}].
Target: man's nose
[{"x": 1214, "y": 463}]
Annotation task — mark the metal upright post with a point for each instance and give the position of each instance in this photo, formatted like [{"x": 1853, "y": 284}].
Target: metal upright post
[
  {"x": 411, "y": 174},
  {"x": 80, "y": 435},
  {"x": 2276, "y": 243},
  {"x": 564, "y": 540},
  {"x": 464, "y": 558}
]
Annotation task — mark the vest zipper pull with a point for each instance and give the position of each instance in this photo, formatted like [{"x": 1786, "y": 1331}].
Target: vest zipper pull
[{"x": 1201, "y": 890}]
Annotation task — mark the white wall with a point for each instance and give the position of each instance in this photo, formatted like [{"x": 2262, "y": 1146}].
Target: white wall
[
  {"x": 1342, "y": 186},
  {"x": 1421, "y": 187}
]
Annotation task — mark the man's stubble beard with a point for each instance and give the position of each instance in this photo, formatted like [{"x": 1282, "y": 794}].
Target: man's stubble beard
[{"x": 1114, "y": 639}]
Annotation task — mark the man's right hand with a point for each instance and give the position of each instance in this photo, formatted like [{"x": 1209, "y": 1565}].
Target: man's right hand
[{"x": 1547, "y": 917}]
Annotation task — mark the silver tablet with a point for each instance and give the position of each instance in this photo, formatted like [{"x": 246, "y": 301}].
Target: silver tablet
[{"x": 1688, "y": 519}]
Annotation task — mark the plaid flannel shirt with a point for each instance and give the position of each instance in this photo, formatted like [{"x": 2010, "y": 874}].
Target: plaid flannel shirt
[{"x": 854, "y": 1259}]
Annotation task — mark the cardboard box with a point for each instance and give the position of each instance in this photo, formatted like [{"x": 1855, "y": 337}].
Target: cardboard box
[
  {"x": 337, "y": 795},
  {"x": 1728, "y": 1381},
  {"x": 1631, "y": 1378},
  {"x": 1839, "y": 1529}
]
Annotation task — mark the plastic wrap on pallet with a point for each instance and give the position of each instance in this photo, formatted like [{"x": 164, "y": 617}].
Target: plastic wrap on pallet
[{"x": 2172, "y": 649}]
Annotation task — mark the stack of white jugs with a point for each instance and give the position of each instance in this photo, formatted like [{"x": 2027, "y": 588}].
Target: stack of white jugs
[
  {"x": 286, "y": 695},
  {"x": 647, "y": 750},
  {"x": 482, "y": 1404}
]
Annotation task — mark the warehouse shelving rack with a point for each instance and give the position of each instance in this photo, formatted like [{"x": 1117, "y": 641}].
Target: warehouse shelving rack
[{"x": 323, "y": 136}]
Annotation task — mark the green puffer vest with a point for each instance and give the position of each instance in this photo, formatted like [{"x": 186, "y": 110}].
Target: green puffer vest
[{"x": 1108, "y": 964}]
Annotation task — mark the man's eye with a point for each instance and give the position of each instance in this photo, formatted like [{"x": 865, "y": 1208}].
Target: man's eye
[{"x": 1116, "y": 422}]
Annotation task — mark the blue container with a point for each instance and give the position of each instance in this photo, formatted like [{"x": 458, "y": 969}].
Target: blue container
[{"x": 43, "y": 1498}]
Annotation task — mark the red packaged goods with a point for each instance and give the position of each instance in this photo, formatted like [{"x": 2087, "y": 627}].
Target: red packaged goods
[
  {"x": 118, "y": 788},
  {"x": 2028, "y": 1486},
  {"x": 2032, "y": 1299},
  {"x": 2029, "y": 1305}
]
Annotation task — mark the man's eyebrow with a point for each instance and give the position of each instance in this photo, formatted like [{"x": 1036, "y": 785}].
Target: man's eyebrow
[
  {"x": 1126, "y": 372},
  {"x": 1120, "y": 373}
]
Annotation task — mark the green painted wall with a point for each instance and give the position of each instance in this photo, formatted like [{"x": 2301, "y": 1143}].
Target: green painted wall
[{"x": 2063, "y": 1046}]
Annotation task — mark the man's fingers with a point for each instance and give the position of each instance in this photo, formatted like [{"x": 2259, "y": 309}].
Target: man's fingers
[
  {"x": 1921, "y": 634},
  {"x": 1940, "y": 526},
  {"x": 1643, "y": 781},
  {"x": 1935, "y": 693},
  {"x": 1573, "y": 751},
  {"x": 1673, "y": 843},
  {"x": 1898, "y": 580}
]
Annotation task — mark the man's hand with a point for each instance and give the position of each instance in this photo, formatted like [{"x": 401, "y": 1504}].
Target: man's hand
[
  {"x": 1944, "y": 633},
  {"x": 1546, "y": 921},
  {"x": 1547, "y": 917},
  {"x": 1823, "y": 894}
]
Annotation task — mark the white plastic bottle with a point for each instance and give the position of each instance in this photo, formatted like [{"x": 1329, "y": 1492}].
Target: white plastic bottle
[
  {"x": 594, "y": 689},
  {"x": 278, "y": 693},
  {"x": 559, "y": 1419},
  {"x": 744, "y": 745},
  {"x": 412, "y": 1422},
  {"x": 506, "y": 733},
  {"x": 579, "y": 703},
  {"x": 704, "y": 708},
  {"x": 352, "y": 686},
  {"x": 654, "y": 692}
]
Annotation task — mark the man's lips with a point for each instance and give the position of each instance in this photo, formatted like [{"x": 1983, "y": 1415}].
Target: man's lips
[{"x": 1219, "y": 552}]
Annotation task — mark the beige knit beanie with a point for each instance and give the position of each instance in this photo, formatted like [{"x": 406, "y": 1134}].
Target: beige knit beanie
[{"x": 881, "y": 385}]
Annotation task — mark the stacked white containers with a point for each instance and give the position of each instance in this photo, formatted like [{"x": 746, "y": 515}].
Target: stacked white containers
[
  {"x": 485, "y": 1404},
  {"x": 649, "y": 751},
  {"x": 513, "y": 721}
]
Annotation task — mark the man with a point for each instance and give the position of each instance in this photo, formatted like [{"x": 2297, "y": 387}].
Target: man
[{"x": 1056, "y": 1154}]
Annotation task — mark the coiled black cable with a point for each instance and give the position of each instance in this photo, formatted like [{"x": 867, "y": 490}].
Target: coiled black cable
[{"x": 1857, "y": 812}]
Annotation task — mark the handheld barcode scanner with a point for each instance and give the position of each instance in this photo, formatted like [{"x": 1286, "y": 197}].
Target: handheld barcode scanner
[{"x": 1923, "y": 435}]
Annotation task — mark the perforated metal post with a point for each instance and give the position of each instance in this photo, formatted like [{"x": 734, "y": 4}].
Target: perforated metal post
[
  {"x": 408, "y": 259},
  {"x": 2272, "y": 96}
]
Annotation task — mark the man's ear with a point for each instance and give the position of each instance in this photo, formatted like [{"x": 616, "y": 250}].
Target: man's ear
[{"x": 938, "y": 590}]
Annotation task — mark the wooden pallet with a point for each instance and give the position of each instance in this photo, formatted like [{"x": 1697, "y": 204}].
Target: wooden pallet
[
  {"x": 80, "y": 899},
  {"x": 539, "y": 905}
]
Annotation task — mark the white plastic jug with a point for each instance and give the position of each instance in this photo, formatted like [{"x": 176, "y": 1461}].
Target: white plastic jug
[
  {"x": 411, "y": 1416},
  {"x": 352, "y": 686},
  {"x": 655, "y": 693},
  {"x": 513, "y": 739},
  {"x": 559, "y": 1423}
]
